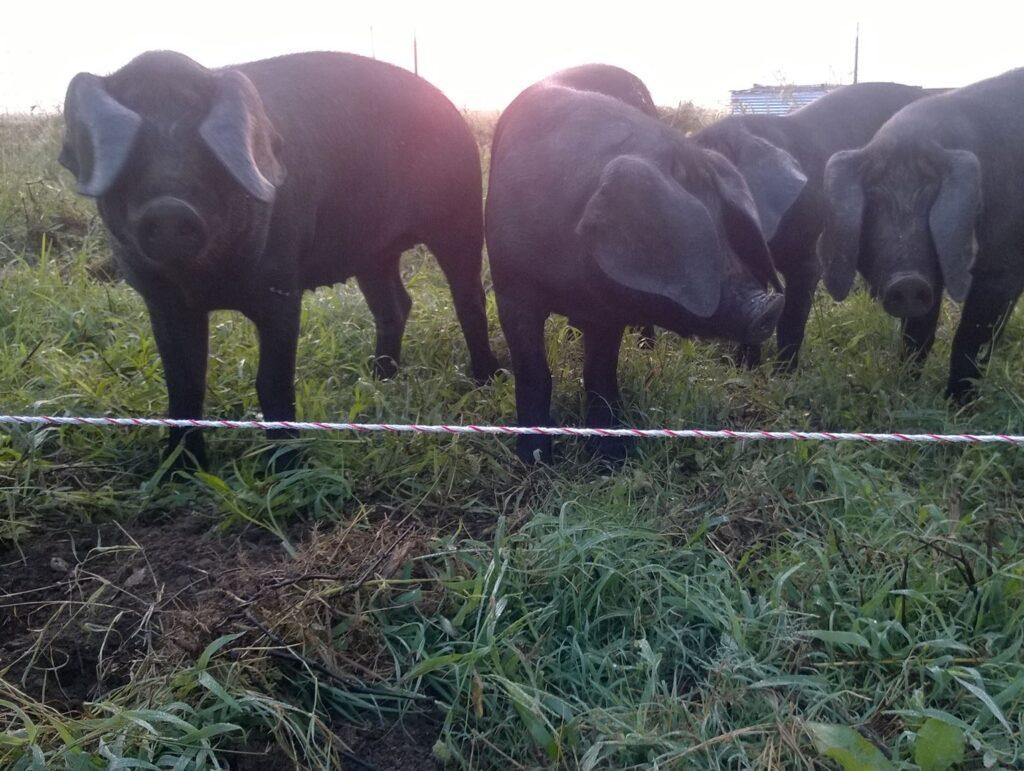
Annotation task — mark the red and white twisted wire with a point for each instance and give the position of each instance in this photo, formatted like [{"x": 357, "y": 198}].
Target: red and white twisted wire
[{"x": 412, "y": 428}]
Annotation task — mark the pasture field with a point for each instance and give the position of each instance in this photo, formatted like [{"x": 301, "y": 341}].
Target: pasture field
[{"x": 398, "y": 601}]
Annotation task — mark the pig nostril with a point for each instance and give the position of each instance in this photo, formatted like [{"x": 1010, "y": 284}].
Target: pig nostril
[{"x": 187, "y": 230}]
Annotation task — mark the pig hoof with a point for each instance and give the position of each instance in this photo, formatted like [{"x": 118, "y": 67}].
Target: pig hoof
[
  {"x": 281, "y": 458},
  {"x": 384, "y": 368},
  {"x": 484, "y": 372},
  {"x": 189, "y": 459},
  {"x": 960, "y": 392},
  {"x": 647, "y": 339},
  {"x": 748, "y": 356},
  {"x": 786, "y": 365},
  {"x": 534, "y": 449},
  {"x": 611, "y": 452}
]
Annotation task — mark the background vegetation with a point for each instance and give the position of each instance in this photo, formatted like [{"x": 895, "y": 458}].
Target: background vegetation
[{"x": 396, "y": 601}]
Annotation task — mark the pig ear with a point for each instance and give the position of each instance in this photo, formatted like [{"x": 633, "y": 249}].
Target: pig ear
[
  {"x": 99, "y": 135},
  {"x": 241, "y": 136},
  {"x": 647, "y": 233},
  {"x": 774, "y": 177},
  {"x": 839, "y": 244},
  {"x": 741, "y": 220},
  {"x": 952, "y": 221}
]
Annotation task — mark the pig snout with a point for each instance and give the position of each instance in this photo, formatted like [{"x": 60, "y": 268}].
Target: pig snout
[
  {"x": 907, "y": 296},
  {"x": 170, "y": 229},
  {"x": 763, "y": 317}
]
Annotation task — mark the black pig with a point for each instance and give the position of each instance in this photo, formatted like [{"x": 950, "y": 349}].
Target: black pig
[
  {"x": 608, "y": 80},
  {"x": 601, "y": 213},
  {"x": 242, "y": 187},
  {"x": 936, "y": 200},
  {"x": 782, "y": 158}
]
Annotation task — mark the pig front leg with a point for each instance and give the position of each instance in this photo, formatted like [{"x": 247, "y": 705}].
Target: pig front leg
[
  {"x": 918, "y": 334},
  {"x": 601, "y": 347},
  {"x": 748, "y": 355},
  {"x": 278, "y": 329},
  {"x": 801, "y": 282},
  {"x": 800, "y": 286},
  {"x": 984, "y": 316},
  {"x": 182, "y": 338}
]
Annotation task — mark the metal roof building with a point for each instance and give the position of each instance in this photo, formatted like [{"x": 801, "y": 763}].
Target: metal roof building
[{"x": 775, "y": 100}]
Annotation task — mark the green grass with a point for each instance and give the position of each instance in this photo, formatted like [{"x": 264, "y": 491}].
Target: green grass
[{"x": 697, "y": 608}]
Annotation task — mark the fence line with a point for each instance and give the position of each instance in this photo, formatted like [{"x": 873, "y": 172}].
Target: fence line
[{"x": 413, "y": 428}]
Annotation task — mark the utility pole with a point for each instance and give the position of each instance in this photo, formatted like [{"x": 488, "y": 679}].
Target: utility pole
[
  {"x": 415, "y": 55},
  {"x": 373, "y": 48},
  {"x": 856, "y": 54}
]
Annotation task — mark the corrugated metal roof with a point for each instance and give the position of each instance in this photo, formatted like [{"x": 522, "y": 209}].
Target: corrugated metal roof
[{"x": 775, "y": 100}]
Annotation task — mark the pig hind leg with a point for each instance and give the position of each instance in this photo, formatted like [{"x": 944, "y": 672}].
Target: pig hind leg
[
  {"x": 461, "y": 260},
  {"x": 523, "y": 325},
  {"x": 390, "y": 304},
  {"x": 277, "y": 325}
]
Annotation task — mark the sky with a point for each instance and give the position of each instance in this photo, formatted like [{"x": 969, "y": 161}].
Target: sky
[{"x": 481, "y": 54}]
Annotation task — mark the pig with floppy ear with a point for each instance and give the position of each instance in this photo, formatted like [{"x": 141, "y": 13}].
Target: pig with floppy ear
[
  {"x": 648, "y": 234},
  {"x": 165, "y": 220},
  {"x": 950, "y": 221},
  {"x": 934, "y": 205},
  {"x": 187, "y": 165},
  {"x": 99, "y": 136},
  {"x": 601, "y": 213}
]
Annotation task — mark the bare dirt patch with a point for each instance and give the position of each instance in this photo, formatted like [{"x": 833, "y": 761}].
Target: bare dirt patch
[
  {"x": 82, "y": 607},
  {"x": 86, "y": 609},
  {"x": 407, "y": 744}
]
